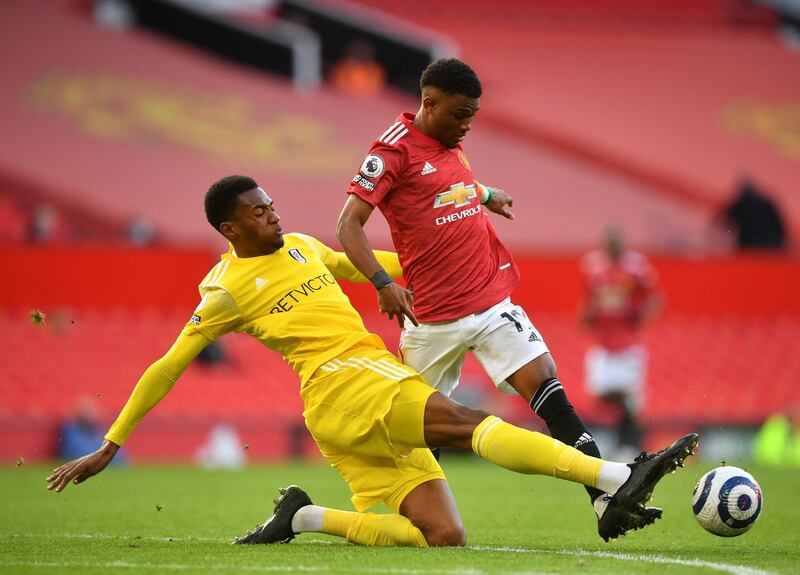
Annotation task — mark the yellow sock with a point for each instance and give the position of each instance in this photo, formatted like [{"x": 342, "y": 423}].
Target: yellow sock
[
  {"x": 373, "y": 530},
  {"x": 532, "y": 452}
]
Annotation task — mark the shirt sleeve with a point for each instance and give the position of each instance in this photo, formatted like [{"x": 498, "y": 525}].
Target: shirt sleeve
[
  {"x": 155, "y": 383},
  {"x": 342, "y": 268},
  {"x": 216, "y": 314},
  {"x": 379, "y": 173}
]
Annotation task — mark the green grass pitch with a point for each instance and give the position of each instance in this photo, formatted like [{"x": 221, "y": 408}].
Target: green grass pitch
[{"x": 147, "y": 520}]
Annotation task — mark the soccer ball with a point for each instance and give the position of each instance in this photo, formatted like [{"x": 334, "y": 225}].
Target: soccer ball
[{"x": 727, "y": 501}]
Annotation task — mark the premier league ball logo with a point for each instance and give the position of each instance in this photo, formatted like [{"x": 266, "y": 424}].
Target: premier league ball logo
[{"x": 727, "y": 501}]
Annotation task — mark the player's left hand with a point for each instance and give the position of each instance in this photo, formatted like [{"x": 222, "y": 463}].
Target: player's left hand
[{"x": 500, "y": 203}]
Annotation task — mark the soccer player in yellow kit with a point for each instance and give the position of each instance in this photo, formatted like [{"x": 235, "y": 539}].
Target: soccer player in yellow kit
[{"x": 372, "y": 417}]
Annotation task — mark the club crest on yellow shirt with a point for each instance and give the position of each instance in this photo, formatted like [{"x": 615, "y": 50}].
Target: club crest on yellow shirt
[{"x": 295, "y": 253}]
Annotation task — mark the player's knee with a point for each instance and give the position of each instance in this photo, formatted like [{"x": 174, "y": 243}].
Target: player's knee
[
  {"x": 529, "y": 378},
  {"x": 448, "y": 535},
  {"x": 546, "y": 367}
]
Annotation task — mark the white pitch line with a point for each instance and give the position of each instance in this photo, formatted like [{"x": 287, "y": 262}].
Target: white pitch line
[
  {"x": 724, "y": 567},
  {"x": 658, "y": 559},
  {"x": 257, "y": 568},
  {"x": 107, "y": 536},
  {"x": 165, "y": 566}
]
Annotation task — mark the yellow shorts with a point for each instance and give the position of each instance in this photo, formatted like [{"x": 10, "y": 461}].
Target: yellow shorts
[{"x": 366, "y": 412}]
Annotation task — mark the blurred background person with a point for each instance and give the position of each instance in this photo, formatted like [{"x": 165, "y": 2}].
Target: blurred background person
[
  {"x": 223, "y": 449},
  {"x": 620, "y": 296},
  {"x": 358, "y": 72},
  {"x": 48, "y": 226},
  {"x": 213, "y": 354},
  {"x": 777, "y": 443},
  {"x": 755, "y": 218},
  {"x": 83, "y": 433},
  {"x": 141, "y": 232}
]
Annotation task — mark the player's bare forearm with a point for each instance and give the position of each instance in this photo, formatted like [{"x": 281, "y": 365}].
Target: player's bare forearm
[
  {"x": 350, "y": 233},
  {"x": 393, "y": 299},
  {"x": 81, "y": 469}
]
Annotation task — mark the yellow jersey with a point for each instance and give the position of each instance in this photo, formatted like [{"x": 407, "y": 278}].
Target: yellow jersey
[{"x": 289, "y": 300}]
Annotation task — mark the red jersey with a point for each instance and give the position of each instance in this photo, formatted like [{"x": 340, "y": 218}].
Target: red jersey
[
  {"x": 450, "y": 254},
  {"x": 616, "y": 292}
]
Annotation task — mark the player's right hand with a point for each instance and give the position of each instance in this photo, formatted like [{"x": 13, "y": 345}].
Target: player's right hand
[
  {"x": 396, "y": 301},
  {"x": 81, "y": 469}
]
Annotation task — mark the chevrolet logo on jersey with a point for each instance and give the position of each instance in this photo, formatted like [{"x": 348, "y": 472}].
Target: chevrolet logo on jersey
[{"x": 458, "y": 195}]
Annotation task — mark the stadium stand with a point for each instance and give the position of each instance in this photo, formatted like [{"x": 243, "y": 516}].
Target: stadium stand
[
  {"x": 49, "y": 368},
  {"x": 629, "y": 86},
  {"x": 713, "y": 354},
  {"x": 118, "y": 118}
]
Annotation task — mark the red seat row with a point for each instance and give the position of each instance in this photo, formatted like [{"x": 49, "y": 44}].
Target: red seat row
[{"x": 705, "y": 368}]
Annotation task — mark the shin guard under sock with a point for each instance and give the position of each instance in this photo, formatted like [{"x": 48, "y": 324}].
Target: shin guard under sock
[{"x": 551, "y": 404}]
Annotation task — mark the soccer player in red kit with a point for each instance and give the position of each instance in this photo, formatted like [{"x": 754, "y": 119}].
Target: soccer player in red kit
[
  {"x": 620, "y": 296},
  {"x": 459, "y": 274}
]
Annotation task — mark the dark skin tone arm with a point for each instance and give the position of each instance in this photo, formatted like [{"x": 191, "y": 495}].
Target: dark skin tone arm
[
  {"x": 393, "y": 300},
  {"x": 81, "y": 469}
]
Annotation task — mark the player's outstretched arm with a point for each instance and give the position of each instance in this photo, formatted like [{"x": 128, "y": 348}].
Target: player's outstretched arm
[
  {"x": 393, "y": 299},
  {"x": 156, "y": 382},
  {"x": 343, "y": 269}
]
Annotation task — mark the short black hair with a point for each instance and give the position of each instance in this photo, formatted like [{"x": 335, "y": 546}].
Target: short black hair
[
  {"x": 222, "y": 196},
  {"x": 453, "y": 76}
]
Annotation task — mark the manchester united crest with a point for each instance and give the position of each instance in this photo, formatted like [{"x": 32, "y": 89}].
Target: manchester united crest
[{"x": 463, "y": 159}]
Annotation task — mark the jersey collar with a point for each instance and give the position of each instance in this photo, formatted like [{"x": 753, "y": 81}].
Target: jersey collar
[{"x": 408, "y": 119}]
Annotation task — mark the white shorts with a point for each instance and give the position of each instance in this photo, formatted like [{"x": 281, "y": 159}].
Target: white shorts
[
  {"x": 617, "y": 372},
  {"x": 502, "y": 338}
]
